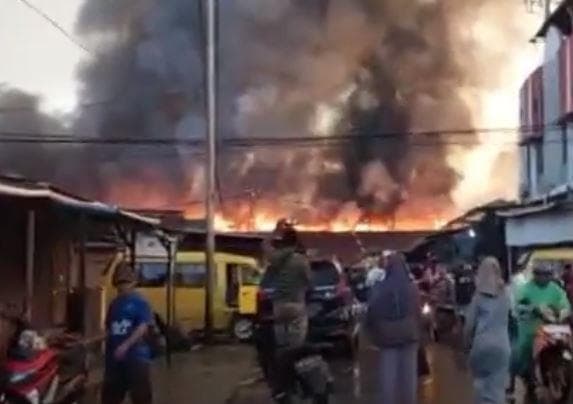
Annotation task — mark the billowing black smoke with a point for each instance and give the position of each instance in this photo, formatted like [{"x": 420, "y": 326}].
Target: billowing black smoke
[
  {"x": 322, "y": 68},
  {"x": 20, "y": 113},
  {"x": 411, "y": 83}
]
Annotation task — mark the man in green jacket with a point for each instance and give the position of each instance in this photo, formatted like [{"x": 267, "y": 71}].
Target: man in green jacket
[
  {"x": 536, "y": 296},
  {"x": 290, "y": 271}
]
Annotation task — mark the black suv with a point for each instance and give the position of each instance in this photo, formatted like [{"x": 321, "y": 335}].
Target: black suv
[{"x": 329, "y": 306}]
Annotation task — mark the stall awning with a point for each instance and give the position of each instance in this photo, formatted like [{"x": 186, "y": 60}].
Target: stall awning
[
  {"x": 526, "y": 210},
  {"x": 41, "y": 192},
  {"x": 547, "y": 224}
]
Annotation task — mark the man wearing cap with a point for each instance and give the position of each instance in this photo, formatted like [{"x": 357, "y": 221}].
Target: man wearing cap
[
  {"x": 537, "y": 295},
  {"x": 128, "y": 356},
  {"x": 291, "y": 272}
]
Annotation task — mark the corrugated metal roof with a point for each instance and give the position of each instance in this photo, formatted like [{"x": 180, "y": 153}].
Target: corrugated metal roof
[
  {"x": 139, "y": 218},
  {"x": 527, "y": 210},
  {"x": 476, "y": 215},
  {"x": 25, "y": 189}
]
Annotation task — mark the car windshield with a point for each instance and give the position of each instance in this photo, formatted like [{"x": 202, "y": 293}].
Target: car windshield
[{"x": 324, "y": 273}]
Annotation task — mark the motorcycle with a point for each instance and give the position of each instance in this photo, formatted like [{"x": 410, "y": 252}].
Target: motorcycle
[
  {"x": 303, "y": 369},
  {"x": 43, "y": 375},
  {"x": 552, "y": 359}
]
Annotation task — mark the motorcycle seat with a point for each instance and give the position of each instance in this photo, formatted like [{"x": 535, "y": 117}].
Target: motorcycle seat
[{"x": 556, "y": 329}]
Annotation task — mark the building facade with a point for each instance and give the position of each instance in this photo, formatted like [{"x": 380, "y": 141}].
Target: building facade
[
  {"x": 545, "y": 106},
  {"x": 545, "y": 216}
]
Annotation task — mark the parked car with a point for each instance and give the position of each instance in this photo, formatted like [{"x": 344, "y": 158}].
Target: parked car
[{"x": 329, "y": 305}]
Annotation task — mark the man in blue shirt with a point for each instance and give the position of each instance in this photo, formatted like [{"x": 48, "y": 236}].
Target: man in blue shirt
[{"x": 128, "y": 355}]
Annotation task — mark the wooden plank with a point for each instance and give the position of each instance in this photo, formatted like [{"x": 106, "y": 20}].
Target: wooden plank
[
  {"x": 172, "y": 251},
  {"x": 83, "y": 275},
  {"x": 30, "y": 262}
]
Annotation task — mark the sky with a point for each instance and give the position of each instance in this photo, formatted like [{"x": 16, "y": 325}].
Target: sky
[{"x": 35, "y": 57}]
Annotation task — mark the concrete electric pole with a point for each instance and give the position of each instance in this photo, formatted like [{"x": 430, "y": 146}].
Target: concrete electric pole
[{"x": 210, "y": 172}]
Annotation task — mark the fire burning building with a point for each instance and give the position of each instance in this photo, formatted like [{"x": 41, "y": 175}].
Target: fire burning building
[{"x": 354, "y": 78}]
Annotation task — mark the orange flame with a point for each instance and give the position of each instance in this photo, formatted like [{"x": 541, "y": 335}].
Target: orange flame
[
  {"x": 261, "y": 214},
  {"x": 245, "y": 218}
]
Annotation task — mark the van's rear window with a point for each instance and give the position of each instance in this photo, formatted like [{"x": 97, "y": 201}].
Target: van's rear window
[
  {"x": 154, "y": 274},
  {"x": 151, "y": 274}
]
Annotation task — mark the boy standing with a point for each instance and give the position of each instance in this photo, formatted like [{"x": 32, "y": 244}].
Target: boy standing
[{"x": 128, "y": 356}]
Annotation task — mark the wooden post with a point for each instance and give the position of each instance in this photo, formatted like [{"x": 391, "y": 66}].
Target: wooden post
[
  {"x": 170, "y": 295},
  {"x": 509, "y": 263},
  {"x": 30, "y": 262},
  {"x": 132, "y": 248},
  {"x": 211, "y": 170},
  {"x": 83, "y": 275}
]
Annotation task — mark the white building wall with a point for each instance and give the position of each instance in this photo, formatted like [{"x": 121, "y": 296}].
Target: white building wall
[
  {"x": 533, "y": 186},
  {"x": 554, "y": 169},
  {"x": 549, "y": 227},
  {"x": 546, "y": 228},
  {"x": 569, "y": 166},
  {"x": 524, "y": 182},
  {"x": 552, "y": 44},
  {"x": 554, "y": 173},
  {"x": 528, "y": 178}
]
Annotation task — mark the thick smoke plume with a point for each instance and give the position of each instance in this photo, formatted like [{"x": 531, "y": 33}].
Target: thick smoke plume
[
  {"x": 20, "y": 113},
  {"x": 309, "y": 68}
]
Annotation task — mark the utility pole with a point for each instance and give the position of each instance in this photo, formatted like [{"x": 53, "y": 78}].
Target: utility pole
[{"x": 210, "y": 172}]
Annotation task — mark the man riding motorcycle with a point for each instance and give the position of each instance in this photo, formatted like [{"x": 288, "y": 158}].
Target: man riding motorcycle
[
  {"x": 290, "y": 270},
  {"x": 535, "y": 297}
]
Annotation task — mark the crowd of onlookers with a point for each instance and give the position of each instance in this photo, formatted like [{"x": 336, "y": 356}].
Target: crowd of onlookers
[{"x": 500, "y": 321}]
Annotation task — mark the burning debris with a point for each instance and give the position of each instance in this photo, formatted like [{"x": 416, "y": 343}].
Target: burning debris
[{"x": 288, "y": 68}]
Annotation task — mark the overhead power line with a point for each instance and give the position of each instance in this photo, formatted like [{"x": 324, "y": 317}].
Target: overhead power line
[
  {"x": 56, "y": 25},
  {"x": 433, "y": 137}
]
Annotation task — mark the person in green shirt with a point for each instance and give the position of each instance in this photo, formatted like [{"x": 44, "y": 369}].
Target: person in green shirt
[{"x": 535, "y": 296}]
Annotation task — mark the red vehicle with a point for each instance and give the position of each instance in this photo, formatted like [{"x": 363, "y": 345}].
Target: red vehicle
[{"x": 47, "y": 376}]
